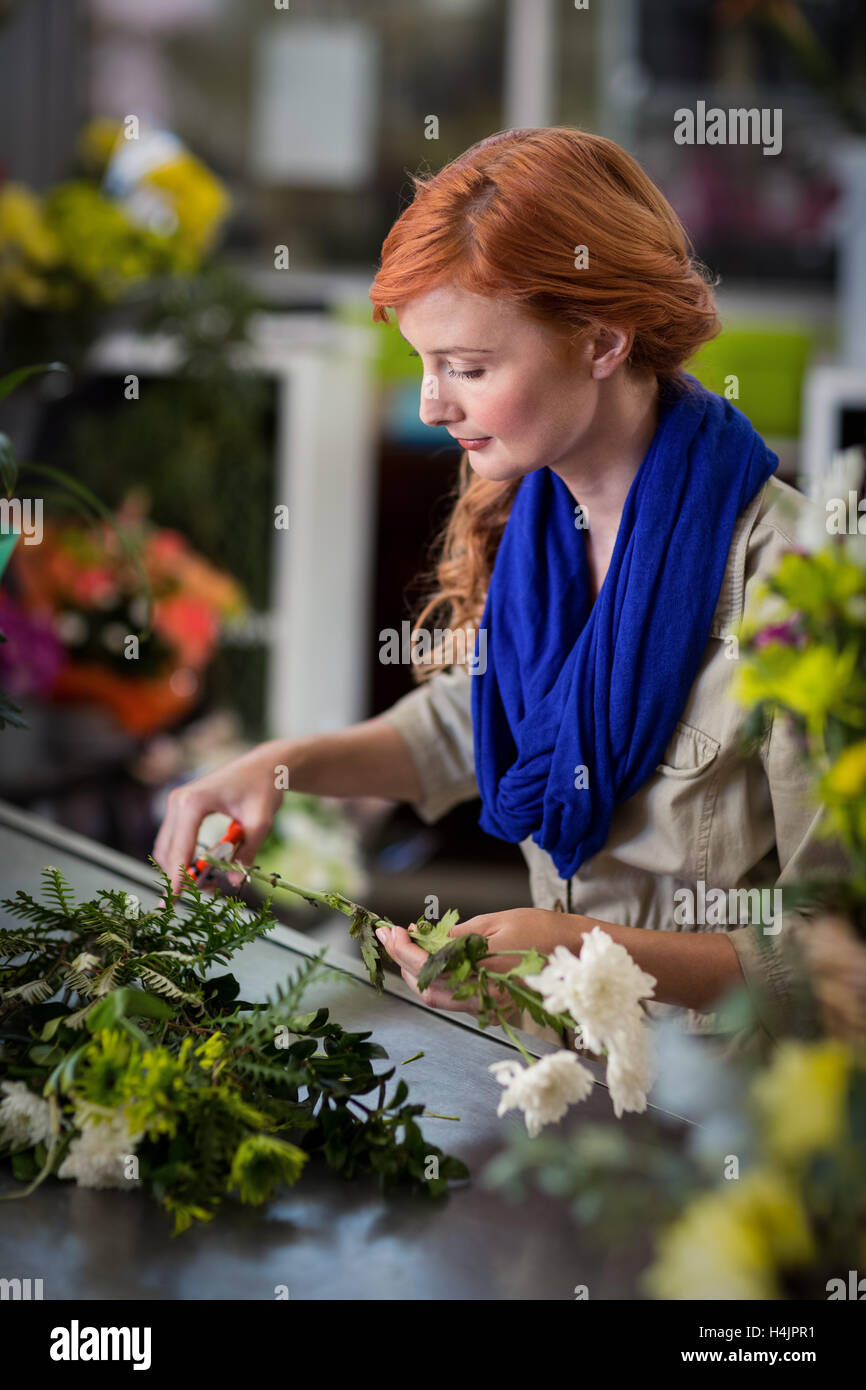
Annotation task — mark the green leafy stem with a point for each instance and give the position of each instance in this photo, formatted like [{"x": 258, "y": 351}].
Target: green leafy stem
[{"x": 456, "y": 960}]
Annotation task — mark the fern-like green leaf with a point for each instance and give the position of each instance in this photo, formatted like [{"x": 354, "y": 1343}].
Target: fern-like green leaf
[
  {"x": 58, "y": 891},
  {"x": 163, "y": 985},
  {"x": 31, "y": 992}
]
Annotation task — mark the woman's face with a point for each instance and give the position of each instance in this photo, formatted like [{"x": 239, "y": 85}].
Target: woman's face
[{"x": 508, "y": 389}]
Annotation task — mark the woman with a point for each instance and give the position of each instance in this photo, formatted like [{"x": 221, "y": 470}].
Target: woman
[{"x": 613, "y": 517}]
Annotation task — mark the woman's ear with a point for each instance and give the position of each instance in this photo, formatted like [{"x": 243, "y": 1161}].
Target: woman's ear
[{"x": 609, "y": 348}]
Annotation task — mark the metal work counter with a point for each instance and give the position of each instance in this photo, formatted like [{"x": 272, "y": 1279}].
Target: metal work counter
[{"x": 326, "y": 1238}]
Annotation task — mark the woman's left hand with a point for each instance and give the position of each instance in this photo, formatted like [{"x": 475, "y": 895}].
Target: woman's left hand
[{"x": 516, "y": 930}]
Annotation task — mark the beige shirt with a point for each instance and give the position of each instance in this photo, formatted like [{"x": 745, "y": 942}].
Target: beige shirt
[{"x": 710, "y": 815}]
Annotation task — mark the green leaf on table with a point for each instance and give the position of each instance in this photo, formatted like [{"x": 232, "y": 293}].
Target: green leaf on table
[
  {"x": 220, "y": 992},
  {"x": 50, "y": 1028},
  {"x": 24, "y": 1165},
  {"x": 126, "y": 1003}
]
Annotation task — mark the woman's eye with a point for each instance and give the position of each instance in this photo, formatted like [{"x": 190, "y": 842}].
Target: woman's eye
[{"x": 465, "y": 376}]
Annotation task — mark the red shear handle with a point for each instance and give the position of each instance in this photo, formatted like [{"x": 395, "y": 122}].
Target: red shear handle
[{"x": 223, "y": 849}]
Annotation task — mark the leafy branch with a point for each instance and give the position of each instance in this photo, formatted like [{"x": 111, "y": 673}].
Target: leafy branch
[
  {"x": 155, "y": 1072},
  {"x": 455, "y": 959}
]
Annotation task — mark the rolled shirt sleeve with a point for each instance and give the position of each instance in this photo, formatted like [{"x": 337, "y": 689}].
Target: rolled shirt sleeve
[{"x": 435, "y": 720}]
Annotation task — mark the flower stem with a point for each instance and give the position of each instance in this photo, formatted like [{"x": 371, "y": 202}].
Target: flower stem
[{"x": 513, "y": 1036}]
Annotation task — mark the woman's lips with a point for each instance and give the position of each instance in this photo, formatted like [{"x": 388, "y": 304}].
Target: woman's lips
[{"x": 474, "y": 443}]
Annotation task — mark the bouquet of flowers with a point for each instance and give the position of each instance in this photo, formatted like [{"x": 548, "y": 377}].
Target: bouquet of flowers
[
  {"x": 146, "y": 208},
  {"x": 79, "y": 580},
  {"x": 124, "y": 1066}
]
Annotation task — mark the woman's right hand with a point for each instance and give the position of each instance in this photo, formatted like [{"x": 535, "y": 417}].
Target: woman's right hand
[{"x": 244, "y": 789}]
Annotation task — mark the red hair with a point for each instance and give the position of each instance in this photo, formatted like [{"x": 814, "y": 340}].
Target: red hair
[{"x": 508, "y": 219}]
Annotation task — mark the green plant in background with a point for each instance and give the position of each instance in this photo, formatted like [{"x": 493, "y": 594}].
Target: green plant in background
[
  {"x": 803, "y": 659},
  {"x": 785, "y": 20},
  {"x": 125, "y": 1064},
  {"x": 118, "y": 246}
]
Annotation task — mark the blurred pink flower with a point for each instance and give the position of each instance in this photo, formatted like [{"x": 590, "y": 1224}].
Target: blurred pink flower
[{"x": 32, "y": 656}]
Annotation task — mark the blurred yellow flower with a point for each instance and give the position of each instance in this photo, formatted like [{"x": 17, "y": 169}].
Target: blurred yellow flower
[
  {"x": 729, "y": 1244},
  {"x": 97, "y": 141},
  {"x": 198, "y": 199},
  {"x": 28, "y": 247},
  {"x": 813, "y": 681},
  {"x": 20, "y": 284},
  {"x": 210, "y": 1051},
  {"x": 847, "y": 776},
  {"x": 103, "y": 249},
  {"x": 81, "y": 242},
  {"x": 23, "y": 226},
  {"x": 801, "y": 1098}
]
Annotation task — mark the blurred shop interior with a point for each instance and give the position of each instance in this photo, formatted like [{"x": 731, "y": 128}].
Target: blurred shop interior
[{"x": 276, "y": 150}]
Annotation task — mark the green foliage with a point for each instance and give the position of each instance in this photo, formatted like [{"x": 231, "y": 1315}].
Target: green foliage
[
  {"x": 604, "y": 1174},
  {"x": 105, "y": 1008},
  {"x": 434, "y": 935},
  {"x": 457, "y": 959},
  {"x": 803, "y": 649}
]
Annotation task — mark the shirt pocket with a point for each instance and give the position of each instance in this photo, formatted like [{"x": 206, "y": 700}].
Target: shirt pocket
[
  {"x": 665, "y": 827},
  {"x": 684, "y": 799},
  {"x": 689, "y": 753}
]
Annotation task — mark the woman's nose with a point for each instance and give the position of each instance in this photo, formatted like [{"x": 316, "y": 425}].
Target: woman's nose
[{"x": 435, "y": 409}]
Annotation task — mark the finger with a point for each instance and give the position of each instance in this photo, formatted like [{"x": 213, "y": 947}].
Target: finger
[
  {"x": 435, "y": 996},
  {"x": 182, "y": 840},
  {"x": 256, "y": 829},
  {"x": 164, "y": 834},
  {"x": 164, "y": 849},
  {"x": 402, "y": 949},
  {"x": 482, "y": 925}
]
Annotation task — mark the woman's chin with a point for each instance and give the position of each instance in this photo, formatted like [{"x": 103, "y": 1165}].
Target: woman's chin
[{"x": 496, "y": 470}]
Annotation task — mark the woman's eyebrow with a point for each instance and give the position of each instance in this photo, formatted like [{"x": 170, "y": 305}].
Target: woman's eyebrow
[{"x": 444, "y": 352}]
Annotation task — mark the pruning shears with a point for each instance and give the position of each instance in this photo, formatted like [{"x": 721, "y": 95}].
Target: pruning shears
[{"x": 223, "y": 849}]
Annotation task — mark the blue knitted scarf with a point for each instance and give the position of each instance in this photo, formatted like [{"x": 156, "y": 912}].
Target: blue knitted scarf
[{"x": 569, "y": 685}]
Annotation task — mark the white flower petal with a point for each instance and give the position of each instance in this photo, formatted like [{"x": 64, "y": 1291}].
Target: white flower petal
[
  {"x": 630, "y": 1070},
  {"x": 96, "y": 1157},
  {"x": 25, "y": 1118},
  {"x": 545, "y": 1090}
]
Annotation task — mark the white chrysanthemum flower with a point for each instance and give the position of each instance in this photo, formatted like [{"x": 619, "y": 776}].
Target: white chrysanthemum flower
[
  {"x": 559, "y": 982},
  {"x": 545, "y": 1090},
  {"x": 630, "y": 1070},
  {"x": 97, "y": 1155},
  {"x": 602, "y": 988},
  {"x": 25, "y": 1118}
]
